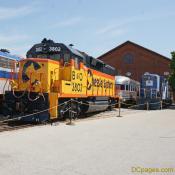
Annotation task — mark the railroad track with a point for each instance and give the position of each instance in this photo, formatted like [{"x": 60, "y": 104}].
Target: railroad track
[{"x": 14, "y": 126}]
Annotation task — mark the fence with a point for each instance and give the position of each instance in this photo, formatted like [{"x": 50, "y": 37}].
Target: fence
[{"x": 73, "y": 113}]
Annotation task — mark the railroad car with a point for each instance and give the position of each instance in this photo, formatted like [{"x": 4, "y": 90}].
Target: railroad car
[
  {"x": 127, "y": 89},
  {"x": 60, "y": 78},
  {"x": 8, "y": 67},
  {"x": 154, "y": 89}
]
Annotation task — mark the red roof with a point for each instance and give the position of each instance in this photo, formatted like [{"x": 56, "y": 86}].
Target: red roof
[{"x": 132, "y": 43}]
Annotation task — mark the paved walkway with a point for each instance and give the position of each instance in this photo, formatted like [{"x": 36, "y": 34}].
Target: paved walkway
[{"x": 110, "y": 146}]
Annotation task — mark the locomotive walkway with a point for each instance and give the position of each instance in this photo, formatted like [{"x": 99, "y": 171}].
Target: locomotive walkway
[{"x": 105, "y": 146}]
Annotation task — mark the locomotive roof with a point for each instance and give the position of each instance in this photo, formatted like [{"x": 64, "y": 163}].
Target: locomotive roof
[
  {"x": 49, "y": 46},
  {"x": 74, "y": 51},
  {"x": 124, "y": 80},
  {"x": 10, "y": 56}
]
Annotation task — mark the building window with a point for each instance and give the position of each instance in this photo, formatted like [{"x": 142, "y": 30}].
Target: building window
[{"x": 128, "y": 58}]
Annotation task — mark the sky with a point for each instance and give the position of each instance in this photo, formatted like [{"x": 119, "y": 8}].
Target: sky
[{"x": 92, "y": 26}]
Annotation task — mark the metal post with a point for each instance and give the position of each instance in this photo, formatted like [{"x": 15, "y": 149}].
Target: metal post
[
  {"x": 119, "y": 107},
  {"x": 147, "y": 105},
  {"x": 161, "y": 105},
  {"x": 70, "y": 115}
]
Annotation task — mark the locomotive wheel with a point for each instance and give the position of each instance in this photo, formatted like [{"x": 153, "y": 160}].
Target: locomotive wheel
[{"x": 6, "y": 111}]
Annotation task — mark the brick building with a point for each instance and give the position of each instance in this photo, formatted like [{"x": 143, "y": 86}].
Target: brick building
[{"x": 131, "y": 59}]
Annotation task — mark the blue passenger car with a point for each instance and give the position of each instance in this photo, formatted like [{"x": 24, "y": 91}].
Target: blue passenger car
[{"x": 8, "y": 68}]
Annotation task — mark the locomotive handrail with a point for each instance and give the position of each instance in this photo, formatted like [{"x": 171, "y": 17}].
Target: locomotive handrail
[
  {"x": 165, "y": 103},
  {"x": 143, "y": 104},
  {"x": 34, "y": 99},
  {"x": 20, "y": 95},
  {"x": 155, "y": 103}
]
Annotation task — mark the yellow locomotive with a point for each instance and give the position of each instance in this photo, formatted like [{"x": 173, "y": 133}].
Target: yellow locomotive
[{"x": 54, "y": 79}]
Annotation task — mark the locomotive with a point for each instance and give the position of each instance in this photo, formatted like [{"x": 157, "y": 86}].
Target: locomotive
[
  {"x": 56, "y": 78},
  {"x": 154, "y": 89}
]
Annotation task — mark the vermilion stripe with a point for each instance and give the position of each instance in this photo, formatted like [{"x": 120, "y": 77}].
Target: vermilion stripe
[
  {"x": 72, "y": 63},
  {"x": 102, "y": 74},
  {"x": 40, "y": 60},
  {"x": 5, "y": 78},
  {"x": 72, "y": 95}
]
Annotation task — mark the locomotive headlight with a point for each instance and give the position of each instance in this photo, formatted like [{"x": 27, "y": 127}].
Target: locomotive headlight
[{"x": 36, "y": 83}]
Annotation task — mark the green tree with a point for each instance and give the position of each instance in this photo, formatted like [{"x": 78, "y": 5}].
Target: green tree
[{"x": 172, "y": 75}]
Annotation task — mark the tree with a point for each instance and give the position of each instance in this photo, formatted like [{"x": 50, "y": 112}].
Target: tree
[{"x": 172, "y": 75}]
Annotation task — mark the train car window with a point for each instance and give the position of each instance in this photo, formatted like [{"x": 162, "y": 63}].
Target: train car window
[
  {"x": 132, "y": 88},
  {"x": 66, "y": 57},
  {"x": 42, "y": 56},
  {"x": 77, "y": 63},
  {"x": 87, "y": 61},
  {"x": 122, "y": 87},
  {"x": 99, "y": 66},
  {"x": 55, "y": 57},
  {"x": 93, "y": 62},
  {"x": 29, "y": 56},
  {"x": 5, "y": 63},
  {"x": 109, "y": 70},
  {"x": 118, "y": 86},
  {"x": 127, "y": 87}
]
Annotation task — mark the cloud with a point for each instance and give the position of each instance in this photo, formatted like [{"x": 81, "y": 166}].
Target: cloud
[
  {"x": 20, "y": 50},
  {"x": 17, "y": 44},
  {"x": 111, "y": 31},
  {"x": 7, "y": 39},
  {"x": 68, "y": 22},
  {"x": 9, "y": 12},
  {"x": 118, "y": 27}
]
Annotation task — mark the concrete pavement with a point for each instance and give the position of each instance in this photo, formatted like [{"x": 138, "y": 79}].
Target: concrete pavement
[{"x": 107, "y": 146}]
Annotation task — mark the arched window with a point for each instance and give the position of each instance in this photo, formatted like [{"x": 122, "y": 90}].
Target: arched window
[{"x": 128, "y": 58}]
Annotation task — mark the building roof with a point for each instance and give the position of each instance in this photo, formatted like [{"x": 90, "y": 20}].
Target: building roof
[
  {"x": 125, "y": 80},
  {"x": 9, "y": 56},
  {"x": 137, "y": 45}
]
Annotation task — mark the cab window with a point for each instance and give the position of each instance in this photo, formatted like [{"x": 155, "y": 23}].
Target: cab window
[{"x": 55, "y": 57}]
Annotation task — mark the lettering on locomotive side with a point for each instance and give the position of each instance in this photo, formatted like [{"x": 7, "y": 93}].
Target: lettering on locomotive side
[
  {"x": 77, "y": 76},
  {"x": 50, "y": 49},
  {"x": 77, "y": 82},
  {"x": 77, "y": 86},
  {"x": 54, "y": 49},
  {"x": 97, "y": 82}
]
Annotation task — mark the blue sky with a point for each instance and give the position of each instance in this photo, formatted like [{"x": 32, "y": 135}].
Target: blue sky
[{"x": 93, "y": 26}]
